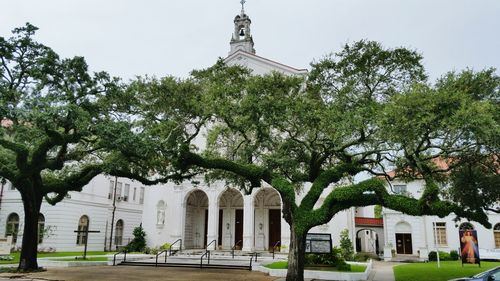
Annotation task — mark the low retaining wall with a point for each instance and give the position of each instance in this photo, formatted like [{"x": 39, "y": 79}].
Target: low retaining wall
[{"x": 328, "y": 275}]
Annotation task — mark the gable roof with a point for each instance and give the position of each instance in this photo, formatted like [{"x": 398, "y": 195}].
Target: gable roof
[{"x": 243, "y": 58}]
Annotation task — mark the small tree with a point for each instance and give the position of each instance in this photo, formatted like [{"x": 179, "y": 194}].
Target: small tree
[
  {"x": 139, "y": 242},
  {"x": 346, "y": 248}
]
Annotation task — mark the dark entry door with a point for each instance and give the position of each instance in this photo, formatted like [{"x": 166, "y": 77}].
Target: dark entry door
[
  {"x": 206, "y": 229},
  {"x": 219, "y": 236},
  {"x": 403, "y": 244},
  {"x": 238, "y": 228},
  {"x": 274, "y": 227}
]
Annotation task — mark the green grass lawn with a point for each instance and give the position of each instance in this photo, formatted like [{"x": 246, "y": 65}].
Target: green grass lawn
[
  {"x": 284, "y": 265},
  {"x": 56, "y": 254},
  {"x": 430, "y": 272}
]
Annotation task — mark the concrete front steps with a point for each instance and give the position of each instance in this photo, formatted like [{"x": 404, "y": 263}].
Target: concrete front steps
[{"x": 218, "y": 259}]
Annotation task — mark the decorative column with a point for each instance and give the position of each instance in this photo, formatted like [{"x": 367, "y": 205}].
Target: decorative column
[
  {"x": 248, "y": 223},
  {"x": 212, "y": 220}
]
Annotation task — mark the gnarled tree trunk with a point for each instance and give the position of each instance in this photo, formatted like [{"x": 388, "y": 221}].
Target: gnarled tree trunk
[
  {"x": 32, "y": 204},
  {"x": 296, "y": 255}
]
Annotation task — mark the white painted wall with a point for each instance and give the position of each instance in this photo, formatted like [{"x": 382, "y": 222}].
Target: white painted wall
[{"x": 62, "y": 219}]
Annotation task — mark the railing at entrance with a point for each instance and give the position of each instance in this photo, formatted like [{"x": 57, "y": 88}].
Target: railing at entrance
[
  {"x": 274, "y": 247},
  {"x": 171, "y": 245},
  {"x": 168, "y": 252},
  {"x": 124, "y": 256},
  {"x": 211, "y": 242},
  {"x": 234, "y": 247},
  {"x": 207, "y": 254}
]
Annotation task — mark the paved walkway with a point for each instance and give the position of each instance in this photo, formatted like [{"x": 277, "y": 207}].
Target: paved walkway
[
  {"x": 138, "y": 273},
  {"x": 382, "y": 271}
]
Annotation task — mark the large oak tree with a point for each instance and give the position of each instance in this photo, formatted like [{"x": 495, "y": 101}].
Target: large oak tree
[
  {"x": 322, "y": 130},
  {"x": 60, "y": 127}
]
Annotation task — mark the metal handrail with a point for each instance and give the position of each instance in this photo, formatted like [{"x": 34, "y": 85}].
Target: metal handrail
[
  {"x": 274, "y": 247},
  {"x": 250, "y": 267},
  {"x": 171, "y": 245},
  {"x": 207, "y": 253},
  {"x": 124, "y": 256},
  {"x": 232, "y": 249},
  {"x": 213, "y": 241},
  {"x": 157, "y": 255},
  {"x": 168, "y": 252}
]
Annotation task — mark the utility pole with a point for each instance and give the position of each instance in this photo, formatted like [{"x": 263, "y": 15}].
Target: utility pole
[{"x": 113, "y": 214}]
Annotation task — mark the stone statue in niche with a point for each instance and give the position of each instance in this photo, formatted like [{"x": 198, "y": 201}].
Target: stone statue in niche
[{"x": 160, "y": 217}]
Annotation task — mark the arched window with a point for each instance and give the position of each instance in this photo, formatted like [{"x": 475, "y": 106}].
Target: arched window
[
  {"x": 119, "y": 233},
  {"x": 496, "y": 232},
  {"x": 41, "y": 228},
  {"x": 83, "y": 225},
  {"x": 12, "y": 226},
  {"x": 466, "y": 226}
]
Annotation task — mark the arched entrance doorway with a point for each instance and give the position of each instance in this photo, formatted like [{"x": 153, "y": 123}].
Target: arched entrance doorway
[
  {"x": 367, "y": 241},
  {"x": 403, "y": 239},
  {"x": 267, "y": 227},
  {"x": 230, "y": 229},
  {"x": 196, "y": 220}
]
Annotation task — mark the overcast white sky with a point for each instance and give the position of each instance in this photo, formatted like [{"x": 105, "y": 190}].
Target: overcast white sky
[{"x": 132, "y": 37}]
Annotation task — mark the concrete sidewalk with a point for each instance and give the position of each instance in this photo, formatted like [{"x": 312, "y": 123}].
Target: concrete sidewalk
[{"x": 382, "y": 271}]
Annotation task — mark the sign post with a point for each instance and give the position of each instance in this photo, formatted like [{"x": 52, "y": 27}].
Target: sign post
[{"x": 86, "y": 231}]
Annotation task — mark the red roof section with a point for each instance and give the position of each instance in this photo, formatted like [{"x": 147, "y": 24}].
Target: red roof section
[
  {"x": 368, "y": 221},
  {"x": 440, "y": 163}
]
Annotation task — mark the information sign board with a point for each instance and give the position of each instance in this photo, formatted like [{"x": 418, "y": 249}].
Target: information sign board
[{"x": 319, "y": 243}]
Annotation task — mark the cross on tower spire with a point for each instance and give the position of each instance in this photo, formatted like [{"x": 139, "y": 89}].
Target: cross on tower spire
[{"x": 243, "y": 6}]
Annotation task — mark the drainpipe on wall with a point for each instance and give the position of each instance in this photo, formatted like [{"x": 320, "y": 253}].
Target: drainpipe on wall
[
  {"x": 113, "y": 214},
  {"x": 1, "y": 191}
]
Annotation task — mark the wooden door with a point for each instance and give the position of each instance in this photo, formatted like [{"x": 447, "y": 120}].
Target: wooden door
[
  {"x": 404, "y": 244},
  {"x": 274, "y": 228},
  {"x": 205, "y": 231},
  {"x": 219, "y": 236},
  {"x": 408, "y": 246},
  {"x": 238, "y": 228}
]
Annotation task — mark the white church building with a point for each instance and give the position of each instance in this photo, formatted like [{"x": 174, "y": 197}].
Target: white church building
[{"x": 221, "y": 216}]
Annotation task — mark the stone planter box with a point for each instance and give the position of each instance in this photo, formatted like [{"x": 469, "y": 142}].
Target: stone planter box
[{"x": 326, "y": 275}]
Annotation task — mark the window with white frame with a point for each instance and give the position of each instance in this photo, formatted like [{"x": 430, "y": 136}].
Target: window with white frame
[
  {"x": 399, "y": 188},
  {"x": 466, "y": 226},
  {"x": 440, "y": 238},
  {"x": 496, "y": 233},
  {"x": 126, "y": 192},
  {"x": 141, "y": 196},
  {"x": 118, "y": 191},
  {"x": 12, "y": 227},
  {"x": 83, "y": 226},
  {"x": 111, "y": 187},
  {"x": 119, "y": 233},
  {"x": 41, "y": 228}
]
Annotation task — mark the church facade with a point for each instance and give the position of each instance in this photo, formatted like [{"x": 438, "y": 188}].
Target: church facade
[{"x": 221, "y": 216}]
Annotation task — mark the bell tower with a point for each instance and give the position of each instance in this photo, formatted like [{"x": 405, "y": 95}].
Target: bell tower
[{"x": 242, "y": 38}]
